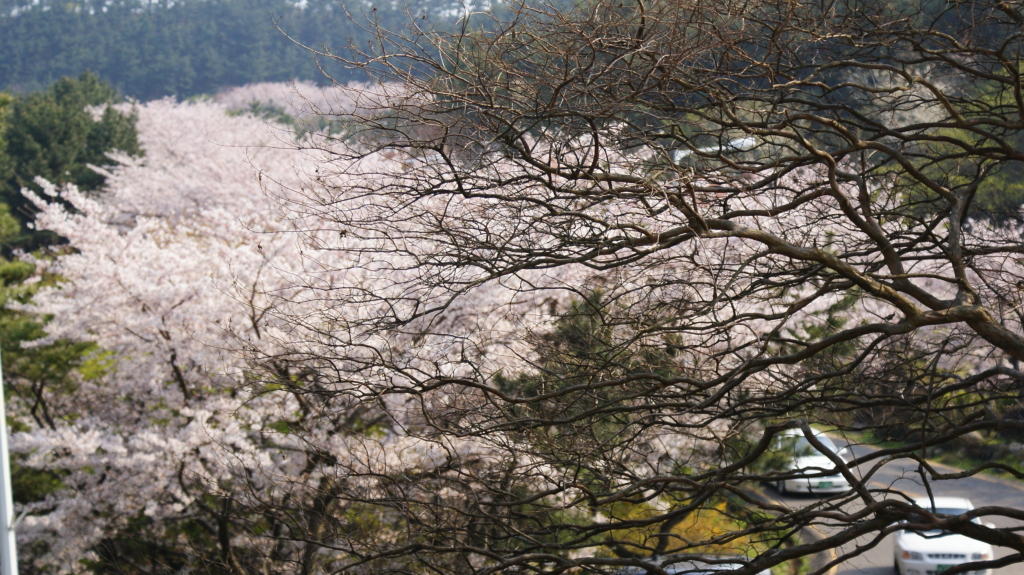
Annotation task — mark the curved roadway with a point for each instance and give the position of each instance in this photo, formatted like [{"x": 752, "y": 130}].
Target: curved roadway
[{"x": 981, "y": 490}]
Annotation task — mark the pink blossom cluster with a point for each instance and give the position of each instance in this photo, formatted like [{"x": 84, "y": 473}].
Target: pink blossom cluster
[{"x": 186, "y": 266}]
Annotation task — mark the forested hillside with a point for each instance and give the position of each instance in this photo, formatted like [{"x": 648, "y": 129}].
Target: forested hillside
[{"x": 153, "y": 49}]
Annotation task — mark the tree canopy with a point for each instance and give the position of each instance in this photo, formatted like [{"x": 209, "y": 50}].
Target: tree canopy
[
  {"x": 544, "y": 298},
  {"x": 62, "y": 134},
  {"x": 184, "y": 48},
  {"x": 780, "y": 205}
]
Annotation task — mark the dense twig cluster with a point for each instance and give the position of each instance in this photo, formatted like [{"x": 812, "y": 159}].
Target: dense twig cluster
[{"x": 706, "y": 222}]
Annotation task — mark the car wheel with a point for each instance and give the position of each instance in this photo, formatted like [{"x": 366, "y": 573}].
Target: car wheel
[{"x": 896, "y": 566}]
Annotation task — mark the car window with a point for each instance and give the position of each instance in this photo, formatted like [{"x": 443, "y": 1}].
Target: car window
[
  {"x": 799, "y": 445},
  {"x": 691, "y": 568},
  {"x": 940, "y": 511}
]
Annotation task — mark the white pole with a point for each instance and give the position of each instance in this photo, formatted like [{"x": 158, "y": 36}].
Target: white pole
[{"x": 8, "y": 545}]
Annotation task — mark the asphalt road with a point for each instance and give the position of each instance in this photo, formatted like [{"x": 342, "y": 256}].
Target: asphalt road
[{"x": 903, "y": 476}]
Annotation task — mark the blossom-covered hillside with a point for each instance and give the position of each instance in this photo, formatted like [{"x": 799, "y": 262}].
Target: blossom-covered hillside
[{"x": 197, "y": 434}]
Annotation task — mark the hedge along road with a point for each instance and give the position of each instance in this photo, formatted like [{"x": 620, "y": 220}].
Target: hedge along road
[{"x": 902, "y": 475}]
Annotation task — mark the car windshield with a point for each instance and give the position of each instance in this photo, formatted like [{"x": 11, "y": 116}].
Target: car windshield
[
  {"x": 690, "y": 568},
  {"x": 801, "y": 447},
  {"x": 914, "y": 518},
  {"x": 701, "y": 568}
]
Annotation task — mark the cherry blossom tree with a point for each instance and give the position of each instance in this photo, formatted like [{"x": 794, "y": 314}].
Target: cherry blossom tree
[
  {"x": 175, "y": 449},
  {"x": 164, "y": 436},
  {"x": 774, "y": 215}
]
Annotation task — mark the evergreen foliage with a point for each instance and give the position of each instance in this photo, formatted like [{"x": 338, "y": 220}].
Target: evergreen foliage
[
  {"x": 58, "y": 134},
  {"x": 154, "y": 49}
]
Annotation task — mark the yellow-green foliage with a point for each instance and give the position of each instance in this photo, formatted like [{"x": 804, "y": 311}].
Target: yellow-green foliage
[{"x": 707, "y": 530}]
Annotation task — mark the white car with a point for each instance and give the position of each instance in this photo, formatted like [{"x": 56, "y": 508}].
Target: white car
[
  {"x": 803, "y": 457},
  {"x": 689, "y": 566},
  {"x": 932, "y": 552}
]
